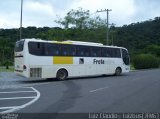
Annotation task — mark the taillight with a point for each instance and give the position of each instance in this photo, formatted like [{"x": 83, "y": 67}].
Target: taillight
[{"x": 24, "y": 67}]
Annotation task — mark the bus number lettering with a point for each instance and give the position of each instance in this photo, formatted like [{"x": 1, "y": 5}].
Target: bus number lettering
[{"x": 95, "y": 61}]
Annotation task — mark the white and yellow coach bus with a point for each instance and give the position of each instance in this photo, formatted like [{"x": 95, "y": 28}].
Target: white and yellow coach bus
[{"x": 51, "y": 59}]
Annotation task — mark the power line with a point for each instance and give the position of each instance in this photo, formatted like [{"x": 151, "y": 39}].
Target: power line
[{"x": 106, "y": 10}]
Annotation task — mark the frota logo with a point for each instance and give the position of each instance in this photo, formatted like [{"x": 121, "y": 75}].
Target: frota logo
[{"x": 95, "y": 61}]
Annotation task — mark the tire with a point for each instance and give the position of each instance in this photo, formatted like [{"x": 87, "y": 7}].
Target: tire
[
  {"x": 118, "y": 71},
  {"x": 62, "y": 75}
]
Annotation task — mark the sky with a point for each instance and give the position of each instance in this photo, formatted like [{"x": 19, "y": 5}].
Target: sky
[{"x": 42, "y": 13}]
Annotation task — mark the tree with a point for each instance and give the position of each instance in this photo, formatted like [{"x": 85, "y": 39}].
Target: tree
[
  {"x": 153, "y": 49},
  {"x": 80, "y": 19}
]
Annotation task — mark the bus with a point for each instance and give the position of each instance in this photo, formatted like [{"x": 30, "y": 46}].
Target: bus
[{"x": 36, "y": 58}]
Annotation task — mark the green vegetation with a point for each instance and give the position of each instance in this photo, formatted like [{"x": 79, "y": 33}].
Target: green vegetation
[
  {"x": 145, "y": 61},
  {"x": 79, "y": 25},
  {"x": 3, "y": 69},
  {"x": 153, "y": 49},
  {"x": 132, "y": 67}
]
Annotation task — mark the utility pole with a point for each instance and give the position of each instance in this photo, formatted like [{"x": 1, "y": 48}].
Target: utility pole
[
  {"x": 112, "y": 25},
  {"x": 21, "y": 20},
  {"x": 107, "y": 35}
]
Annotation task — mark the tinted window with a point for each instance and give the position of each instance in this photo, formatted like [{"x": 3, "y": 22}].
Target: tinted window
[
  {"x": 104, "y": 52},
  {"x": 36, "y": 48},
  {"x": 125, "y": 57},
  {"x": 109, "y": 52},
  {"x": 95, "y": 52},
  {"x": 116, "y": 52},
  {"x": 68, "y": 50},
  {"x": 124, "y": 53},
  {"x": 83, "y": 51},
  {"x": 19, "y": 46},
  {"x": 52, "y": 49}
]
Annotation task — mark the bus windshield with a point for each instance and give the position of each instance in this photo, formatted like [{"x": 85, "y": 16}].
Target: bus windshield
[
  {"x": 125, "y": 57},
  {"x": 19, "y": 46}
]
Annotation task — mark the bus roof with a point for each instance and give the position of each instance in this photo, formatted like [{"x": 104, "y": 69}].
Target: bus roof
[{"x": 72, "y": 42}]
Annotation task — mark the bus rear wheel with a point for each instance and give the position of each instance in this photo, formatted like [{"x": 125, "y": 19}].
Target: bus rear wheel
[
  {"x": 62, "y": 74},
  {"x": 118, "y": 71}
]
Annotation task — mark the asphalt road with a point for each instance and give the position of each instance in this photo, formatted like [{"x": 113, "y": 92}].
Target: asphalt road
[{"x": 137, "y": 91}]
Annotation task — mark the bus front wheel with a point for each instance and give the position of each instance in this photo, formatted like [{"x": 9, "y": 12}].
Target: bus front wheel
[
  {"x": 118, "y": 71},
  {"x": 62, "y": 74}
]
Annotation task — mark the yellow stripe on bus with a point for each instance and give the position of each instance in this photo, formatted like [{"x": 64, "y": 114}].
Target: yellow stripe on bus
[
  {"x": 63, "y": 42},
  {"x": 62, "y": 60}
]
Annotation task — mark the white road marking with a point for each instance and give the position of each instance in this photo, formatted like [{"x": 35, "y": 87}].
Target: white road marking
[
  {"x": 17, "y": 98},
  {"x": 22, "y": 86},
  {"x": 36, "y": 84},
  {"x": 15, "y": 108},
  {"x": 17, "y": 92},
  {"x": 9, "y": 107},
  {"x": 98, "y": 89}
]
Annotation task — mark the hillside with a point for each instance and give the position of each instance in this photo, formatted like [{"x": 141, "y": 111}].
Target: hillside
[
  {"x": 134, "y": 37},
  {"x": 137, "y": 36}
]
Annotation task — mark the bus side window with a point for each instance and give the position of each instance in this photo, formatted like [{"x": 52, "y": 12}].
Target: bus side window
[
  {"x": 96, "y": 52},
  {"x": 109, "y": 52},
  {"x": 72, "y": 50},
  {"x": 116, "y": 52},
  {"x": 87, "y": 51},
  {"x": 64, "y": 50},
  {"x": 83, "y": 51},
  {"x": 57, "y": 50},
  {"x": 52, "y": 49},
  {"x": 36, "y": 48},
  {"x": 38, "y": 45},
  {"x": 68, "y": 50},
  {"x": 104, "y": 52},
  {"x": 80, "y": 51}
]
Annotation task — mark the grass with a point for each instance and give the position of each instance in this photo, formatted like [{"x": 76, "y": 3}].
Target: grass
[
  {"x": 132, "y": 67},
  {"x": 3, "y": 69}
]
